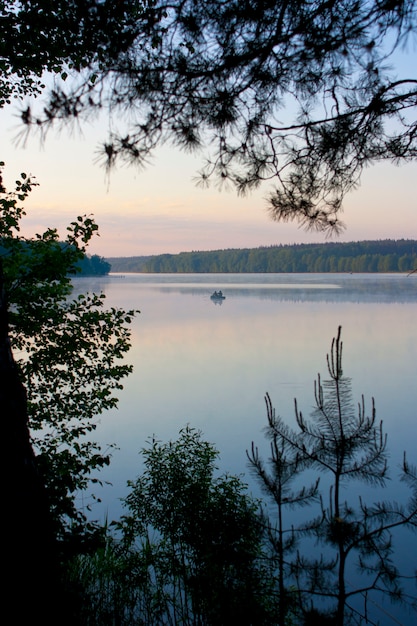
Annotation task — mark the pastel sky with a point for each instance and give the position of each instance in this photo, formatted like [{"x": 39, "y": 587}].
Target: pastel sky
[{"x": 160, "y": 209}]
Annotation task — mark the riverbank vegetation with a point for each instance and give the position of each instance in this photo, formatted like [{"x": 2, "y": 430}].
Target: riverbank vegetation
[
  {"x": 61, "y": 365},
  {"x": 361, "y": 256}
]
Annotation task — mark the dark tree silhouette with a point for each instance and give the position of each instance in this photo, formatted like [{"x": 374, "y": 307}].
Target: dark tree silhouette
[
  {"x": 64, "y": 374},
  {"x": 345, "y": 446},
  {"x": 58, "y": 37},
  {"x": 30, "y": 558},
  {"x": 302, "y": 93},
  {"x": 286, "y": 464},
  {"x": 198, "y": 537}
]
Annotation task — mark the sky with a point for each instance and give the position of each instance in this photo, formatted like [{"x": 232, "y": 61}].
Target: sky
[{"x": 161, "y": 210}]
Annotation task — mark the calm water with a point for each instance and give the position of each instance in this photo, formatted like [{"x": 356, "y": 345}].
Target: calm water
[{"x": 209, "y": 365}]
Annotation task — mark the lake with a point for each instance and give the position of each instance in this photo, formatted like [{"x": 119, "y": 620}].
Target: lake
[{"x": 210, "y": 364}]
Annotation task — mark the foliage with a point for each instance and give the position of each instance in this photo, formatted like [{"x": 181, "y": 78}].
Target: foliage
[
  {"x": 59, "y": 37},
  {"x": 93, "y": 265},
  {"x": 345, "y": 446},
  {"x": 306, "y": 94},
  {"x": 286, "y": 466},
  {"x": 197, "y": 538},
  {"x": 110, "y": 588},
  {"x": 70, "y": 351},
  {"x": 361, "y": 256}
]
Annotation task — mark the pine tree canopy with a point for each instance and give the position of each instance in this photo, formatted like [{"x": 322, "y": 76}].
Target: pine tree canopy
[{"x": 303, "y": 93}]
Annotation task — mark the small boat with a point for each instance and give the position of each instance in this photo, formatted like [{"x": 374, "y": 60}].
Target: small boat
[{"x": 217, "y": 295}]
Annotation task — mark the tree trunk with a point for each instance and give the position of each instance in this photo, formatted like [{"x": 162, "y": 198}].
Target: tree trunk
[{"x": 31, "y": 580}]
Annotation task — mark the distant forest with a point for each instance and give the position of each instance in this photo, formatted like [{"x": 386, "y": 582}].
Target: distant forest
[
  {"x": 362, "y": 256},
  {"x": 93, "y": 266},
  {"x": 88, "y": 265}
]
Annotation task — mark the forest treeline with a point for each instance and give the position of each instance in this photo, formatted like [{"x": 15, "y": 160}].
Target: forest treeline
[
  {"x": 362, "y": 256},
  {"x": 93, "y": 265},
  {"x": 87, "y": 265}
]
